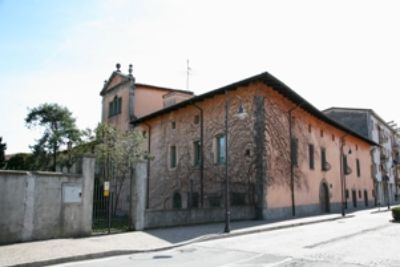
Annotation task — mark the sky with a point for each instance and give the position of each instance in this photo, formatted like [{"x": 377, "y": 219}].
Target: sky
[{"x": 333, "y": 53}]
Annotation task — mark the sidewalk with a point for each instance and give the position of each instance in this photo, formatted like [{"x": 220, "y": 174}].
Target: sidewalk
[{"x": 55, "y": 251}]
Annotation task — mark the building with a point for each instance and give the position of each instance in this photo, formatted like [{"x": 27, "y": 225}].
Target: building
[
  {"x": 284, "y": 157},
  {"x": 386, "y": 161},
  {"x": 124, "y": 100}
]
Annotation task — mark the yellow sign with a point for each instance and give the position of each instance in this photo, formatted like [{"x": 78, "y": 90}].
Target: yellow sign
[{"x": 106, "y": 192}]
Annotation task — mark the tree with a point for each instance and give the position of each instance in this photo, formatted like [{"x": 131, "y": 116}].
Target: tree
[
  {"x": 21, "y": 161},
  {"x": 3, "y": 148},
  {"x": 59, "y": 128},
  {"x": 117, "y": 153}
]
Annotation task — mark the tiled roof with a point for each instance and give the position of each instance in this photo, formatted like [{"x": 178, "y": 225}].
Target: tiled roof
[{"x": 268, "y": 80}]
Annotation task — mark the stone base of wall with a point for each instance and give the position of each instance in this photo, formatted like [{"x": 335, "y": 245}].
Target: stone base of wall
[
  {"x": 301, "y": 211},
  {"x": 164, "y": 218},
  {"x": 313, "y": 209},
  {"x": 360, "y": 205}
]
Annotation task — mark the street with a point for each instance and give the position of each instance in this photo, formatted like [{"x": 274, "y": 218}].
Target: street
[{"x": 367, "y": 239}]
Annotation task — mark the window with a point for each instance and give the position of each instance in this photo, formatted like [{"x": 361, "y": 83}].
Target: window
[
  {"x": 345, "y": 165},
  {"x": 238, "y": 199},
  {"x": 173, "y": 124},
  {"x": 333, "y": 138},
  {"x": 311, "y": 156},
  {"x": 221, "y": 149},
  {"x": 196, "y": 119},
  {"x": 309, "y": 128},
  {"x": 323, "y": 159},
  {"x": 172, "y": 156},
  {"x": 358, "y": 168},
  {"x": 196, "y": 153},
  {"x": 177, "y": 201},
  {"x": 115, "y": 106},
  {"x": 294, "y": 151},
  {"x": 322, "y": 133}
]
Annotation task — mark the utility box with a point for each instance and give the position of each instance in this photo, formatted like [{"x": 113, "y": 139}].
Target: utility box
[{"x": 72, "y": 193}]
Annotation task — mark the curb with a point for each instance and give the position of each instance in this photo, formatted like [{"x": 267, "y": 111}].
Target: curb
[{"x": 195, "y": 240}]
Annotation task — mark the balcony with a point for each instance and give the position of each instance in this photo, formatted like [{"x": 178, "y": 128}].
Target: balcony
[
  {"x": 384, "y": 153},
  {"x": 383, "y": 137}
]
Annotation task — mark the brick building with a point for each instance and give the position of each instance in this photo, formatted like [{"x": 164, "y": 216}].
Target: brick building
[{"x": 283, "y": 156}]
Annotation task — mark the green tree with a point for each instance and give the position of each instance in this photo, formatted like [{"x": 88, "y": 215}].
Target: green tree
[
  {"x": 3, "y": 148},
  {"x": 59, "y": 128},
  {"x": 117, "y": 152},
  {"x": 21, "y": 161}
]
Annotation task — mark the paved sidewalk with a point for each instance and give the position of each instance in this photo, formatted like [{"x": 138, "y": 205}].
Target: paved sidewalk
[{"x": 54, "y": 251}]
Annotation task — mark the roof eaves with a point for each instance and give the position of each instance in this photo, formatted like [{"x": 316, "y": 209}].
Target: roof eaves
[
  {"x": 269, "y": 80},
  {"x": 165, "y": 88},
  {"x": 102, "y": 92}
]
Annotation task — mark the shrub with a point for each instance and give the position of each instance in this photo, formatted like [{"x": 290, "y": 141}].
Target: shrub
[{"x": 396, "y": 214}]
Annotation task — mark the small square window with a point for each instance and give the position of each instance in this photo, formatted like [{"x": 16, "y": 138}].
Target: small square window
[
  {"x": 173, "y": 124},
  {"x": 144, "y": 133}
]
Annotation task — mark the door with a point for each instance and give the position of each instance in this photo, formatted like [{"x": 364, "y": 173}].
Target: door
[
  {"x": 324, "y": 198},
  {"x": 366, "y": 198}
]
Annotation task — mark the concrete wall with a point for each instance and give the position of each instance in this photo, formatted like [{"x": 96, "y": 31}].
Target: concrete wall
[{"x": 43, "y": 205}]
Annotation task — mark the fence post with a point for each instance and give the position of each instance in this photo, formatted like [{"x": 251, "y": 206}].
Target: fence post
[{"x": 138, "y": 197}]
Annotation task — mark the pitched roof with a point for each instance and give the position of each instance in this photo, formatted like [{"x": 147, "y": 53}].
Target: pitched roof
[
  {"x": 268, "y": 80},
  {"x": 127, "y": 78},
  {"x": 364, "y": 110},
  {"x": 164, "y": 88}
]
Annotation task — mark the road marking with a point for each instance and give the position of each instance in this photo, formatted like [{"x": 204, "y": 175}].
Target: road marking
[{"x": 336, "y": 239}]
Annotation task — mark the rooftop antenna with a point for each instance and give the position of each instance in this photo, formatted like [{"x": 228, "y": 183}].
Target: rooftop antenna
[{"x": 188, "y": 70}]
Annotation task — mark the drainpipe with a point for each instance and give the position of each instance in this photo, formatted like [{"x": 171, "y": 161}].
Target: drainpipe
[
  {"x": 342, "y": 180},
  {"x": 148, "y": 166},
  {"x": 201, "y": 155},
  {"x": 291, "y": 159}
]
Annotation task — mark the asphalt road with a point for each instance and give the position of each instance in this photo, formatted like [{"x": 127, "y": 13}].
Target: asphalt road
[{"x": 367, "y": 239}]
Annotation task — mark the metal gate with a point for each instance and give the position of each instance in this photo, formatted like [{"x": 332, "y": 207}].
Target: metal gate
[{"x": 105, "y": 219}]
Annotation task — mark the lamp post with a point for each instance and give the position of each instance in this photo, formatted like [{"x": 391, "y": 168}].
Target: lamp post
[
  {"x": 227, "y": 190},
  {"x": 240, "y": 114}
]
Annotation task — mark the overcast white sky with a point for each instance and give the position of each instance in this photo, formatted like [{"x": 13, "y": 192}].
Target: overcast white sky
[{"x": 333, "y": 53}]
